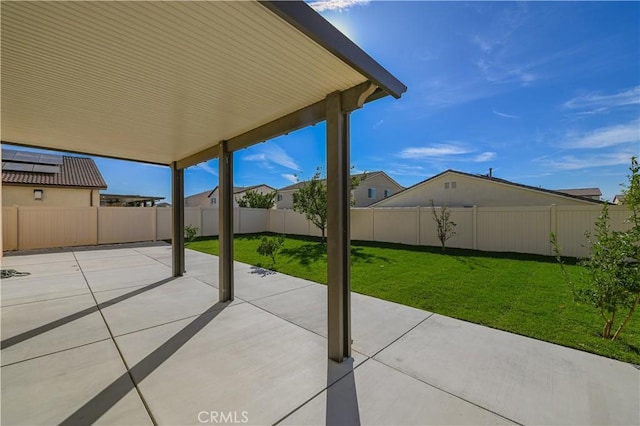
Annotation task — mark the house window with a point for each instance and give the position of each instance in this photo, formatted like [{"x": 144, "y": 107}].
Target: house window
[
  {"x": 446, "y": 185},
  {"x": 453, "y": 185},
  {"x": 213, "y": 200},
  {"x": 386, "y": 193},
  {"x": 38, "y": 194},
  {"x": 279, "y": 197},
  {"x": 371, "y": 193}
]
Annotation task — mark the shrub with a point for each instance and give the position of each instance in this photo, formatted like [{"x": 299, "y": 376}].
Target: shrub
[
  {"x": 190, "y": 232},
  {"x": 269, "y": 247}
]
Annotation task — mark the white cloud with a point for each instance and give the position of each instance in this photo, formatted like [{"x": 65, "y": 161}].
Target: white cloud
[
  {"x": 339, "y": 5},
  {"x": 290, "y": 177},
  {"x": 437, "y": 150},
  {"x": 270, "y": 154},
  {"x": 406, "y": 170},
  {"x": 207, "y": 168},
  {"x": 572, "y": 162},
  {"x": 605, "y": 137},
  {"x": 502, "y": 114},
  {"x": 595, "y": 103},
  {"x": 485, "y": 156},
  {"x": 378, "y": 124}
]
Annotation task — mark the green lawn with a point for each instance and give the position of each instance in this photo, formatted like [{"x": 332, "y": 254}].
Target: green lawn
[{"x": 523, "y": 294}]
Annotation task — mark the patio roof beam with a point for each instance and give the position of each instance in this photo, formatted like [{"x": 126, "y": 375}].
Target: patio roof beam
[
  {"x": 177, "y": 220},
  {"x": 338, "y": 235},
  {"x": 352, "y": 99},
  {"x": 225, "y": 223}
]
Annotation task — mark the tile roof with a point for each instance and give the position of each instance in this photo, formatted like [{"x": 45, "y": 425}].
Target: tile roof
[{"x": 79, "y": 172}]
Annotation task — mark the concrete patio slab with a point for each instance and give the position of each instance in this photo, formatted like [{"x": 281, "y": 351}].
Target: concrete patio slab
[
  {"x": 525, "y": 380},
  {"x": 236, "y": 360},
  {"x": 375, "y": 323},
  {"x": 130, "y": 277},
  {"x": 45, "y": 269},
  {"x": 18, "y": 290},
  {"x": 373, "y": 395},
  {"x": 256, "y": 283},
  {"x": 49, "y": 389},
  {"x": 40, "y": 328},
  {"x": 103, "y": 254},
  {"x": 116, "y": 262},
  {"x": 168, "y": 301},
  {"x": 12, "y": 260}
]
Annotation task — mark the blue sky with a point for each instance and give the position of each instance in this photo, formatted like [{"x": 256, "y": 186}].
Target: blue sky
[{"x": 546, "y": 93}]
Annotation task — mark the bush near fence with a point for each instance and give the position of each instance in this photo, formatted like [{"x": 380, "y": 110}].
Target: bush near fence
[{"x": 509, "y": 229}]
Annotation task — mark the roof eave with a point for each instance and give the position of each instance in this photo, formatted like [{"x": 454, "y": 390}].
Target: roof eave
[{"x": 302, "y": 17}]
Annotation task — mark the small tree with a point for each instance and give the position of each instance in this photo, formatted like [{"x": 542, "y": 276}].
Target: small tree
[
  {"x": 269, "y": 247},
  {"x": 613, "y": 264},
  {"x": 257, "y": 200},
  {"x": 445, "y": 227},
  {"x": 311, "y": 199}
]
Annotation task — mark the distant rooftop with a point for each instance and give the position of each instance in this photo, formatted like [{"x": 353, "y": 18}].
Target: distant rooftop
[
  {"x": 582, "y": 192},
  {"x": 297, "y": 185}
]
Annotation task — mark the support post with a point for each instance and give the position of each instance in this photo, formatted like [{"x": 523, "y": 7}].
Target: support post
[
  {"x": 225, "y": 223},
  {"x": 177, "y": 228},
  {"x": 338, "y": 233}
]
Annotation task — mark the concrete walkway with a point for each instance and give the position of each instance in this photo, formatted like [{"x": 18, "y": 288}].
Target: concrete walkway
[{"x": 105, "y": 336}]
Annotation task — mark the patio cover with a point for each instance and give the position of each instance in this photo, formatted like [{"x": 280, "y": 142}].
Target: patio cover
[{"x": 179, "y": 83}]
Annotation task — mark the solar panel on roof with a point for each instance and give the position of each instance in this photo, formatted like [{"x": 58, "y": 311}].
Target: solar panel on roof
[
  {"x": 26, "y": 157},
  {"x": 17, "y": 167},
  {"x": 31, "y": 157},
  {"x": 50, "y": 159},
  {"x": 46, "y": 168},
  {"x": 8, "y": 154}
]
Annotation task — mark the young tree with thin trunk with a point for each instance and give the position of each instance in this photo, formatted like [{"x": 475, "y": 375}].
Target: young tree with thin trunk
[
  {"x": 311, "y": 199},
  {"x": 445, "y": 227},
  {"x": 613, "y": 264}
]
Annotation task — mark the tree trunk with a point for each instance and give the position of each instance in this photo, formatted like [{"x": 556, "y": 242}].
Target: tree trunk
[{"x": 626, "y": 320}]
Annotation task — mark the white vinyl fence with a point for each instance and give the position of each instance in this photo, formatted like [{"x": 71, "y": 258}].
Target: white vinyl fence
[{"x": 507, "y": 229}]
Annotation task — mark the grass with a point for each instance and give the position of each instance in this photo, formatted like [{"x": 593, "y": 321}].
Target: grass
[{"x": 520, "y": 293}]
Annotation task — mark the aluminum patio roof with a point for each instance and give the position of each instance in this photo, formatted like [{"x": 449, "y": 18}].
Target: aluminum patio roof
[{"x": 165, "y": 82}]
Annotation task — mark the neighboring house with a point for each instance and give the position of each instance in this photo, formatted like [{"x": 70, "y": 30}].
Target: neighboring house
[
  {"x": 374, "y": 187},
  {"x": 34, "y": 179},
  {"x": 618, "y": 199},
  {"x": 201, "y": 199},
  {"x": 212, "y": 198},
  {"x": 238, "y": 192},
  {"x": 593, "y": 193},
  {"x": 459, "y": 189},
  {"x": 117, "y": 200}
]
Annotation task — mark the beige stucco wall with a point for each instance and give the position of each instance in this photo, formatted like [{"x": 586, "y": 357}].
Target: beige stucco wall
[
  {"x": 22, "y": 195},
  {"x": 380, "y": 182},
  {"x": 470, "y": 191},
  {"x": 286, "y": 201},
  {"x": 198, "y": 200}
]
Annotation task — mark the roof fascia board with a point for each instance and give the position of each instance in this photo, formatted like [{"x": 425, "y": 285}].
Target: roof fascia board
[
  {"x": 52, "y": 185},
  {"x": 307, "y": 116},
  {"x": 93, "y": 154},
  {"x": 313, "y": 25}
]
